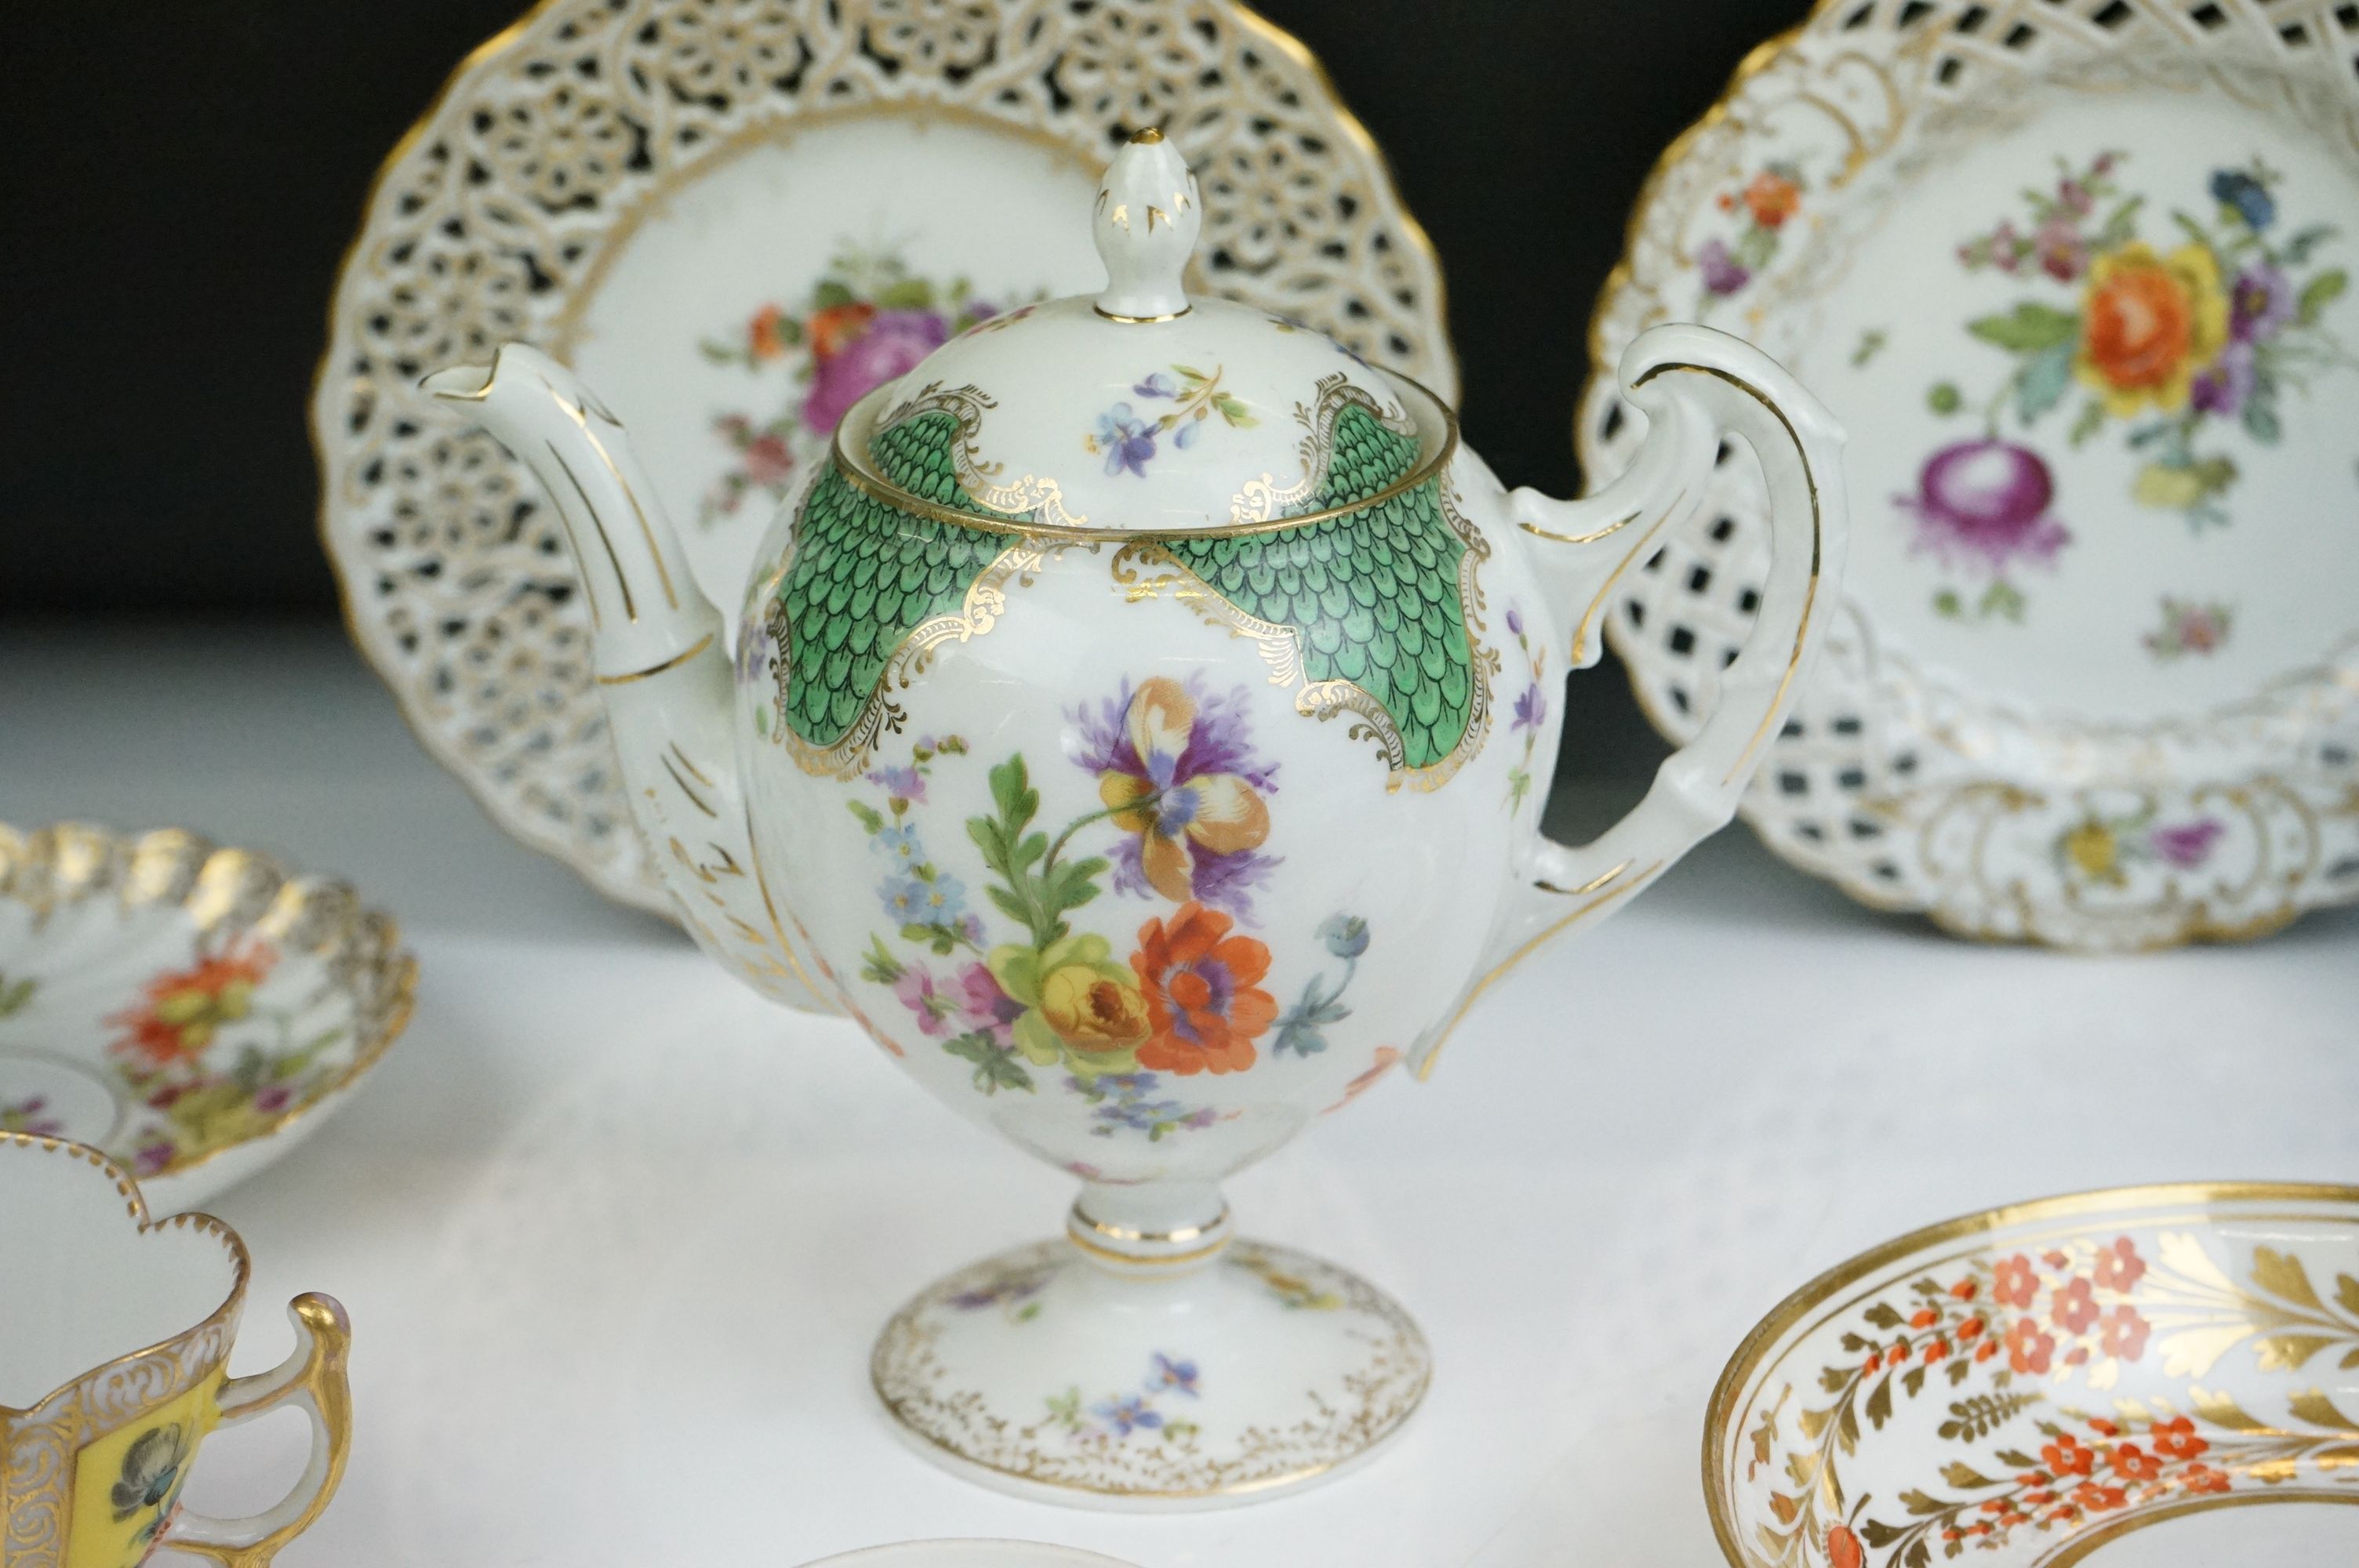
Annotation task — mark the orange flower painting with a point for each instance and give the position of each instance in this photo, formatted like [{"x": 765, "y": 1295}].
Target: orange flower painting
[
  {"x": 184, "y": 1009},
  {"x": 1204, "y": 1006},
  {"x": 2150, "y": 323}
]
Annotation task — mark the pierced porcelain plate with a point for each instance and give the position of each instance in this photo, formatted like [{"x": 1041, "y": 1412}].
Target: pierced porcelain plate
[
  {"x": 2075, "y": 274},
  {"x": 739, "y": 217},
  {"x": 2115, "y": 1375},
  {"x": 192, "y": 1012}
]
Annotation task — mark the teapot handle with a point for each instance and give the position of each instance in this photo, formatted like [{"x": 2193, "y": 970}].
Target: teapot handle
[{"x": 1697, "y": 387}]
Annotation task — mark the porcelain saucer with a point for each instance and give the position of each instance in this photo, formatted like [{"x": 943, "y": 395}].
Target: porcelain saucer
[
  {"x": 739, "y": 224},
  {"x": 2122, "y": 1372},
  {"x": 191, "y": 1011},
  {"x": 2076, "y": 277}
]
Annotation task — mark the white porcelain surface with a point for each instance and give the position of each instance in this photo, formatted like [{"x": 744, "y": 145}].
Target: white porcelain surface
[
  {"x": 1582, "y": 1236},
  {"x": 2079, "y": 283},
  {"x": 733, "y": 249}
]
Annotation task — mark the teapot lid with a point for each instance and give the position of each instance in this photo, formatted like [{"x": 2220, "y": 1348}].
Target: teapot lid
[{"x": 1141, "y": 410}]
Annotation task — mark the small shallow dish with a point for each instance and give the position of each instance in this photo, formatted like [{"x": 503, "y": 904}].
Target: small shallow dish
[
  {"x": 191, "y": 1011},
  {"x": 2039, "y": 1384}
]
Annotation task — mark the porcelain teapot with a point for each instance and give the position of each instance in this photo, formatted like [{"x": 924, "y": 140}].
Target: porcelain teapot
[{"x": 1139, "y": 726}]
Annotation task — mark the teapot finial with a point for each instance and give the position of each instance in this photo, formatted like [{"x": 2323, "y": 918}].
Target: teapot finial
[{"x": 1147, "y": 219}]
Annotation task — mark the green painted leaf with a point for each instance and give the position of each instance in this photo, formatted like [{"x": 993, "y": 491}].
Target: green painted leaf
[
  {"x": 908, "y": 294},
  {"x": 2319, "y": 293},
  {"x": 831, "y": 293},
  {"x": 2043, "y": 380},
  {"x": 1037, "y": 1040},
  {"x": 1012, "y": 793},
  {"x": 2297, "y": 249},
  {"x": 2028, "y": 329},
  {"x": 878, "y": 966},
  {"x": 2260, "y": 421},
  {"x": 994, "y": 1069}
]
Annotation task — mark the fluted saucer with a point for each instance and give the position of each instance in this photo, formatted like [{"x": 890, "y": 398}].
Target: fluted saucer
[{"x": 193, "y": 1011}]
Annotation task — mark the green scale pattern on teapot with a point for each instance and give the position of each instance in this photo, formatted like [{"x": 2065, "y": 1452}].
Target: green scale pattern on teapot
[
  {"x": 866, "y": 574},
  {"x": 1374, "y": 604},
  {"x": 1373, "y": 595}
]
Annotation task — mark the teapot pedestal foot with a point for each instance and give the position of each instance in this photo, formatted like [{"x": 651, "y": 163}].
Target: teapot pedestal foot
[{"x": 1062, "y": 1375}]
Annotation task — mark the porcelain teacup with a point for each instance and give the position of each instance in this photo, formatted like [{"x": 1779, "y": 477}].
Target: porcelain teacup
[{"x": 114, "y": 1341}]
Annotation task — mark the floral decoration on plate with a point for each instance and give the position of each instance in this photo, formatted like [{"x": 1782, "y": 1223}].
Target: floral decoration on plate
[
  {"x": 2077, "y": 280},
  {"x": 2167, "y": 348},
  {"x": 867, "y": 320}
]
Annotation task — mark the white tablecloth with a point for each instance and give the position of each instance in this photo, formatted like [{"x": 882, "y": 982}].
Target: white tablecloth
[{"x": 615, "y": 1235}]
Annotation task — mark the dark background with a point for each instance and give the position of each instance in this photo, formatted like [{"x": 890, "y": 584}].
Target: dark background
[{"x": 181, "y": 181}]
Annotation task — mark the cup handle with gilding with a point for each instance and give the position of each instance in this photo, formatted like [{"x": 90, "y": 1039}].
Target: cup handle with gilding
[{"x": 313, "y": 1380}]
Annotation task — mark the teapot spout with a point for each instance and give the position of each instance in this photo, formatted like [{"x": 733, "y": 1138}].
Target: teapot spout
[
  {"x": 645, "y": 605},
  {"x": 659, "y": 653}
]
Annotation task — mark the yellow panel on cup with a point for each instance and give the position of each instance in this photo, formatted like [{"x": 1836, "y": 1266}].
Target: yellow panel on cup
[{"x": 127, "y": 1483}]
